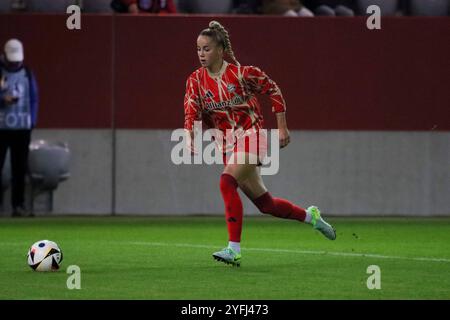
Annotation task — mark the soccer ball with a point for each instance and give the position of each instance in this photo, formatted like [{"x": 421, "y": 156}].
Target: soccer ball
[{"x": 45, "y": 255}]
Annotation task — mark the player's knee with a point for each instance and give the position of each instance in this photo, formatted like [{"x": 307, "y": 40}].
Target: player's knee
[{"x": 227, "y": 183}]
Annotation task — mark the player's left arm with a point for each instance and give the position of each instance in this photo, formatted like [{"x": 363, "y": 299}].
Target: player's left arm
[{"x": 258, "y": 82}]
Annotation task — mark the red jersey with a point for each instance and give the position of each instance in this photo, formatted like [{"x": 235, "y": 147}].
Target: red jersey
[{"x": 227, "y": 100}]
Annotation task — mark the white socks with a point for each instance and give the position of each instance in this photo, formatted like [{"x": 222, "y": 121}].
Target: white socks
[
  {"x": 236, "y": 246},
  {"x": 308, "y": 217}
]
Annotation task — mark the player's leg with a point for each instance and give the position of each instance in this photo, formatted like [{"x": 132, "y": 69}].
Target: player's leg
[
  {"x": 229, "y": 182},
  {"x": 19, "y": 164},
  {"x": 4, "y": 143},
  {"x": 254, "y": 189}
]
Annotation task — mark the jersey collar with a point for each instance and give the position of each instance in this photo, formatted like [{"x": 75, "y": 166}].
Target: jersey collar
[{"x": 221, "y": 71}]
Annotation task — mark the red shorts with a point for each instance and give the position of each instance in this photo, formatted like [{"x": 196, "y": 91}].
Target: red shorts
[{"x": 248, "y": 148}]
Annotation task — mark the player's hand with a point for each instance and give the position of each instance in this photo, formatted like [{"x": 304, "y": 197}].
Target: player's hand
[
  {"x": 284, "y": 137},
  {"x": 9, "y": 99}
]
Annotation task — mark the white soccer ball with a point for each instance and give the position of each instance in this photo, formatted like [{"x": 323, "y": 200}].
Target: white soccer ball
[{"x": 44, "y": 255}]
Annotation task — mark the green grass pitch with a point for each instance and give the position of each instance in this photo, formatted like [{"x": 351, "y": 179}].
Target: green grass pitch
[{"x": 170, "y": 258}]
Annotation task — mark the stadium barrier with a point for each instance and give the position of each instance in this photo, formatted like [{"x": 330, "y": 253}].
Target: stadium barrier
[{"x": 368, "y": 110}]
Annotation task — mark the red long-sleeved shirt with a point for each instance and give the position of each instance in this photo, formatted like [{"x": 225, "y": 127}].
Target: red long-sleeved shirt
[{"x": 227, "y": 100}]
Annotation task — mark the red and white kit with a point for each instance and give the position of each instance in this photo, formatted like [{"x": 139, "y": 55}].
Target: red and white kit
[{"x": 227, "y": 101}]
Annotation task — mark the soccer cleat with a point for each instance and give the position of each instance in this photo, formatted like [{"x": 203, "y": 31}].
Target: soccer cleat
[
  {"x": 228, "y": 256},
  {"x": 319, "y": 224}
]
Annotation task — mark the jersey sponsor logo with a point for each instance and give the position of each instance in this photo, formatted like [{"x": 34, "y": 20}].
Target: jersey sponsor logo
[{"x": 213, "y": 105}]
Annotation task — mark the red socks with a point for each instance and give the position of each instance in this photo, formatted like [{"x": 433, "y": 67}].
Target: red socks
[
  {"x": 266, "y": 204},
  {"x": 233, "y": 206},
  {"x": 279, "y": 207}
]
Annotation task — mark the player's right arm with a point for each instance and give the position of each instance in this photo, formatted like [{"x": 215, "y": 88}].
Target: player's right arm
[{"x": 192, "y": 109}]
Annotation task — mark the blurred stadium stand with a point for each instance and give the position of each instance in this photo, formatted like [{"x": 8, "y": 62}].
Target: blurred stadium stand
[
  {"x": 12, "y": 5},
  {"x": 96, "y": 6},
  {"x": 218, "y": 7},
  {"x": 49, "y": 6},
  {"x": 183, "y": 6},
  {"x": 430, "y": 7},
  {"x": 344, "y": 11},
  {"x": 5, "y": 6},
  {"x": 388, "y": 7}
]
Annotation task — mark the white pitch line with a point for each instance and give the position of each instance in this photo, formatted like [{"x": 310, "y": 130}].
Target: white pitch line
[
  {"x": 331, "y": 253},
  {"x": 342, "y": 254}
]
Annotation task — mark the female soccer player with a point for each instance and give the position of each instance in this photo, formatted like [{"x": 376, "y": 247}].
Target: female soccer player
[{"x": 222, "y": 95}]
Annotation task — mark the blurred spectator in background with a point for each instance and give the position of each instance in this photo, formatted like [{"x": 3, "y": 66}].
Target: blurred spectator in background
[
  {"x": 332, "y": 7},
  {"x": 291, "y": 8},
  {"x": 144, "y": 6},
  {"x": 18, "y": 113},
  {"x": 18, "y": 5},
  {"x": 247, "y": 6},
  {"x": 409, "y": 7},
  {"x": 387, "y": 7},
  {"x": 211, "y": 6}
]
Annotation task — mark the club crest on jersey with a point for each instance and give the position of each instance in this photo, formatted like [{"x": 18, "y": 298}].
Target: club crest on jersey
[{"x": 231, "y": 87}]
